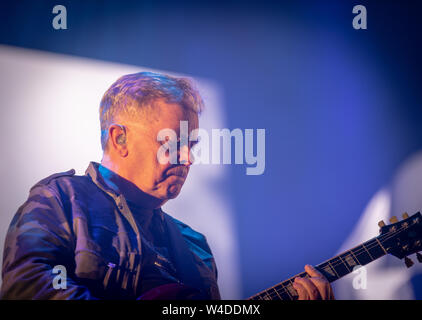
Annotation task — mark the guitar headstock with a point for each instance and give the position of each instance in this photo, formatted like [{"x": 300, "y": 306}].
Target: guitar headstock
[{"x": 402, "y": 238}]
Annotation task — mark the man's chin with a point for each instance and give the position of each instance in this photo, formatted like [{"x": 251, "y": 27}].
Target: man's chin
[{"x": 173, "y": 191}]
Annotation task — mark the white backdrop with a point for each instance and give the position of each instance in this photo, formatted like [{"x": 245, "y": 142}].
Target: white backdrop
[{"x": 49, "y": 123}]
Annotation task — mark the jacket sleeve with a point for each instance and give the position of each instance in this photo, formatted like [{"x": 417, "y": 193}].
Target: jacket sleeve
[{"x": 39, "y": 238}]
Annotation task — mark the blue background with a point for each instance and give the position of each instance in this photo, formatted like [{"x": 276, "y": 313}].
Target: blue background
[{"x": 341, "y": 107}]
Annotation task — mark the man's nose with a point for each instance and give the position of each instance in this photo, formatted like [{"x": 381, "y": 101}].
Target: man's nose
[{"x": 185, "y": 157}]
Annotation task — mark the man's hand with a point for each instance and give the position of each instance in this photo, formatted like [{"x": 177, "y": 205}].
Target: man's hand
[{"x": 316, "y": 287}]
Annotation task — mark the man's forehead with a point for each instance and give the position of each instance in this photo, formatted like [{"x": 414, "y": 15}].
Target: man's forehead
[
  {"x": 173, "y": 120},
  {"x": 164, "y": 120}
]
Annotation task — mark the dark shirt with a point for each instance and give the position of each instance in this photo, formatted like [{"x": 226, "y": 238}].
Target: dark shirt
[
  {"x": 153, "y": 230},
  {"x": 111, "y": 248}
]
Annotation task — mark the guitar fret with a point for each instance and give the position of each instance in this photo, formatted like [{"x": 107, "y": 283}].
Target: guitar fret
[
  {"x": 345, "y": 264},
  {"x": 284, "y": 291},
  {"x": 339, "y": 266},
  {"x": 284, "y": 295},
  {"x": 376, "y": 249},
  {"x": 331, "y": 266},
  {"x": 288, "y": 293},
  {"x": 361, "y": 255},
  {"x": 363, "y": 245},
  {"x": 382, "y": 247},
  {"x": 353, "y": 260},
  {"x": 255, "y": 297},
  {"x": 354, "y": 256},
  {"x": 292, "y": 292},
  {"x": 350, "y": 260},
  {"x": 276, "y": 292},
  {"x": 327, "y": 270}
]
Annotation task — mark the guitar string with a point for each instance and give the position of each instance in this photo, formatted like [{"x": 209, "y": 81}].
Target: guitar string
[{"x": 283, "y": 288}]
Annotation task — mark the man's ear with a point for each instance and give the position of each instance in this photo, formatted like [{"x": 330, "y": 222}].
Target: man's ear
[
  {"x": 121, "y": 139},
  {"x": 117, "y": 137}
]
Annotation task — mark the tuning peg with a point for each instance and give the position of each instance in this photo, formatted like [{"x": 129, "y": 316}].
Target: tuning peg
[
  {"x": 405, "y": 215},
  {"x": 419, "y": 257},
  {"x": 381, "y": 224},
  {"x": 393, "y": 219},
  {"x": 408, "y": 262}
]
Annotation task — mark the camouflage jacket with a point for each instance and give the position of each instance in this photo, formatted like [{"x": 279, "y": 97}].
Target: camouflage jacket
[{"x": 80, "y": 224}]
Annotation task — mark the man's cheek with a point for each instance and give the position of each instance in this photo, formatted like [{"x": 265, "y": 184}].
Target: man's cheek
[{"x": 166, "y": 154}]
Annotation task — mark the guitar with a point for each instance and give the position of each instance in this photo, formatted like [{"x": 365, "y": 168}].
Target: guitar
[{"x": 400, "y": 239}]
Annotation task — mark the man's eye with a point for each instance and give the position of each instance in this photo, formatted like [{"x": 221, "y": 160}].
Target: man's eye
[{"x": 166, "y": 139}]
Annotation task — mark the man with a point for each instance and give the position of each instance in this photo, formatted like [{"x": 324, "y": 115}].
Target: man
[{"x": 105, "y": 231}]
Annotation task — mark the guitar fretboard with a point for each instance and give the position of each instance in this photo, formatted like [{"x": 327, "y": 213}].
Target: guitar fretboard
[{"x": 332, "y": 269}]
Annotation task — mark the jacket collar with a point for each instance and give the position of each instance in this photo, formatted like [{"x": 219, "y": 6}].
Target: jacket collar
[{"x": 94, "y": 173}]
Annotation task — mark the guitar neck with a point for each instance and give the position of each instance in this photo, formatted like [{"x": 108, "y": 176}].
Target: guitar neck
[{"x": 332, "y": 269}]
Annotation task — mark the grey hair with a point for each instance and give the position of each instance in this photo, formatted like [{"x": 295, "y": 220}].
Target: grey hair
[{"x": 132, "y": 92}]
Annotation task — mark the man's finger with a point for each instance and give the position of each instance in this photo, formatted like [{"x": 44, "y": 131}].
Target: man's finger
[
  {"x": 311, "y": 289},
  {"x": 323, "y": 287},
  {"x": 313, "y": 272},
  {"x": 320, "y": 282},
  {"x": 301, "y": 291}
]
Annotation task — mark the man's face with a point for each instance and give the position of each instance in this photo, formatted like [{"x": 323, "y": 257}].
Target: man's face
[{"x": 160, "y": 180}]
